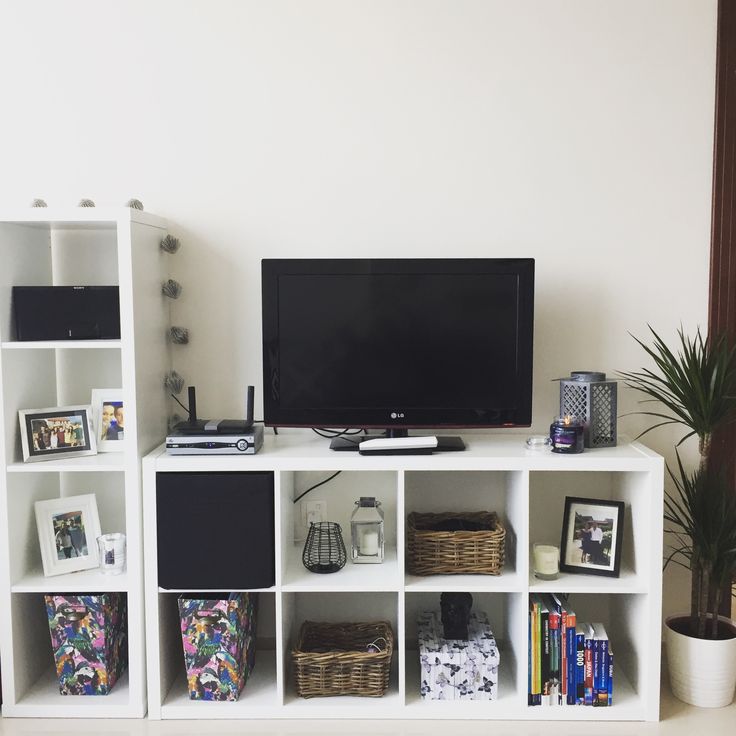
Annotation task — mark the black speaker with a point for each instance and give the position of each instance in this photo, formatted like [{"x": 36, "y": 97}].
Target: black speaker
[
  {"x": 67, "y": 312},
  {"x": 215, "y": 530}
]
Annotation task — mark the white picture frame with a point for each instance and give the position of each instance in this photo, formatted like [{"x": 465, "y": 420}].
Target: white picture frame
[
  {"x": 56, "y": 432},
  {"x": 108, "y": 414},
  {"x": 68, "y": 528}
]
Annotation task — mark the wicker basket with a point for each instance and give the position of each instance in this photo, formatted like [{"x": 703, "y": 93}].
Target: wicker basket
[
  {"x": 331, "y": 659},
  {"x": 454, "y": 553}
]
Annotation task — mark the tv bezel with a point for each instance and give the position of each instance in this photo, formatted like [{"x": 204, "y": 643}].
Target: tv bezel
[{"x": 396, "y": 417}]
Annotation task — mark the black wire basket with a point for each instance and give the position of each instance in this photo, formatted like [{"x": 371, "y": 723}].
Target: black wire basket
[{"x": 324, "y": 550}]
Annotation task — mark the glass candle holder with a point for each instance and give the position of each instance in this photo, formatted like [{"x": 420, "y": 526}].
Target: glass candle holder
[
  {"x": 546, "y": 558},
  {"x": 112, "y": 553},
  {"x": 567, "y": 435}
]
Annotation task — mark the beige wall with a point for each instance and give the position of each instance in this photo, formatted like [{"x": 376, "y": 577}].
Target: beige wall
[{"x": 579, "y": 133}]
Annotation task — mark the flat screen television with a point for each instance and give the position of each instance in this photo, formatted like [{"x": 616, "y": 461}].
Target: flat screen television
[{"x": 396, "y": 344}]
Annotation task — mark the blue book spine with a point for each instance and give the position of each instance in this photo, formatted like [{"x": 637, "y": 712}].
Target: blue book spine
[
  {"x": 610, "y": 676},
  {"x": 596, "y": 651},
  {"x": 579, "y": 668},
  {"x": 588, "y": 670},
  {"x": 603, "y": 689},
  {"x": 571, "y": 654}
]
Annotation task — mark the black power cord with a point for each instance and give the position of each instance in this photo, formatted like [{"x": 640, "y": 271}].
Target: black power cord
[{"x": 316, "y": 485}]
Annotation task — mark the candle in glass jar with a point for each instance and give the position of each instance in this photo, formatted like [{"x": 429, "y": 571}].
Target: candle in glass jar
[{"x": 546, "y": 561}]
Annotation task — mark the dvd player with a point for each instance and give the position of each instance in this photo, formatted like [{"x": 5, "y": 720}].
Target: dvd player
[{"x": 247, "y": 443}]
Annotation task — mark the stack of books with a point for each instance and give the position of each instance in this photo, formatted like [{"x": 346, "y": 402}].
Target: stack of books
[{"x": 570, "y": 663}]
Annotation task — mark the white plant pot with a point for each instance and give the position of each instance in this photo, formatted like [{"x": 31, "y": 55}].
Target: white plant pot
[{"x": 702, "y": 671}]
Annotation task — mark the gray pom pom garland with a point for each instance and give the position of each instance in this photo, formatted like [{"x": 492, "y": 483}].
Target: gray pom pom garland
[
  {"x": 134, "y": 204},
  {"x": 174, "y": 382},
  {"x": 39, "y": 203},
  {"x": 171, "y": 289},
  {"x": 178, "y": 335},
  {"x": 86, "y": 203},
  {"x": 170, "y": 244}
]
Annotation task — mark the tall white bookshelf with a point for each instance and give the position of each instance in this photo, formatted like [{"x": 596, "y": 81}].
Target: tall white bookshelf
[
  {"x": 495, "y": 473},
  {"x": 62, "y": 247}
]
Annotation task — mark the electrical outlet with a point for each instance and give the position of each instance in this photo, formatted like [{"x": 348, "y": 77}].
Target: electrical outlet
[{"x": 314, "y": 511}]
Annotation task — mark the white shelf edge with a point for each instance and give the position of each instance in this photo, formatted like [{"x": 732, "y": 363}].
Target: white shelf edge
[
  {"x": 84, "y": 581},
  {"x": 102, "y": 462},
  {"x": 67, "y": 216},
  {"x": 61, "y": 345}
]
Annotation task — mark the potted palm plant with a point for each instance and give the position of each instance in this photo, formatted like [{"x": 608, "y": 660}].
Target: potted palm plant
[{"x": 696, "y": 387}]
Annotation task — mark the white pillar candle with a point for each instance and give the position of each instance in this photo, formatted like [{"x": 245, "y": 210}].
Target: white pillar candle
[
  {"x": 369, "y": 544},
  {"x": 546, "y": 559}
]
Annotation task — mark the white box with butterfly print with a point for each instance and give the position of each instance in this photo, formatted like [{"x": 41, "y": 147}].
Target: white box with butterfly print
[{"x": 455, "y": 669}]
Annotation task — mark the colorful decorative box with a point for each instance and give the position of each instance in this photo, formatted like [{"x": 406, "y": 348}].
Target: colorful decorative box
[
  {"x": 89, "y": 639},
  {"x": 455, "y": 669},
  {"x": 219, "y": 636}
]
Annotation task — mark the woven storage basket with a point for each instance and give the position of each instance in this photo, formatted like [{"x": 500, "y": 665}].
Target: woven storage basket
[
  {"x": 331, "y": 659},
  {"x": 454, "y": 553}
]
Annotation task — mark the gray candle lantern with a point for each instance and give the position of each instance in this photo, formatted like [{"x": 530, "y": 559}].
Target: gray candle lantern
[{"x": 589, "y": 395}]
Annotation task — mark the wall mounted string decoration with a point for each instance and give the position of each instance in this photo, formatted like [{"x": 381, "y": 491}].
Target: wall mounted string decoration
[
  {"x": 134, "y": 204},
  {"x": 170, "y": 244},
  {"x": 86, "y": 203},
  {"x": 39, "y": 203},
  {"x": 171, "y": 289}
]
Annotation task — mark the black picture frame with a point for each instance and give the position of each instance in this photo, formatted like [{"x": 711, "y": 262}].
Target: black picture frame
[{"x": 592, "y": 556}]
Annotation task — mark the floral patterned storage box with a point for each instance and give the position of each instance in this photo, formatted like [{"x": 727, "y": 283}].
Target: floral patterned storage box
[
  {"x": 218, "y": 635},
  {"x": 455, "y": 669},
  {"x": 89, "y": 639}
]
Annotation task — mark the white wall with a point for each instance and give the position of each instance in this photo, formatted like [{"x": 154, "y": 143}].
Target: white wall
[{"x": 576, "y": 132}]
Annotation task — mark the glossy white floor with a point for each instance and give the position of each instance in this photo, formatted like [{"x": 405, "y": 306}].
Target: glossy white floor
[{"x": 678, "y": 719}]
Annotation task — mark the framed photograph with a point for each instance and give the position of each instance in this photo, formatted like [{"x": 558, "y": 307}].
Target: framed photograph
[
  {"x": 592, "y": 536},
  {"x": 67, "y": 533},
  {"x": 56, "y": 432},
  {"x": 108, "y": 415}
]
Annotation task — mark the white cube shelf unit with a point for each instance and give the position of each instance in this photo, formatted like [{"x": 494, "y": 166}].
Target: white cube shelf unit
[
  {"x": 63, "y": 247},
  {"x": 495, "y": 473}
]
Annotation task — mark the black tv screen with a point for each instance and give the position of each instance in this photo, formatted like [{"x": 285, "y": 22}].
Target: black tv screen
[{"x": 405, "y": 343}]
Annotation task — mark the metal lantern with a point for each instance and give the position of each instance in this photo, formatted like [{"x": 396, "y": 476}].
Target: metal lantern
[
  {"x": 324, "y": 550},
  {"x": 590, "y": 396},
  {"x": 366, "y": 531}
]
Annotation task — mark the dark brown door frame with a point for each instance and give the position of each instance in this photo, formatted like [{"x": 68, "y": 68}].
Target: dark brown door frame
[{"x": 722, "y": 292}]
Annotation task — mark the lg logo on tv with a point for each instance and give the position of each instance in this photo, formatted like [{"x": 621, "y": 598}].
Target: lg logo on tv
[{"x": 397, "y": 415}]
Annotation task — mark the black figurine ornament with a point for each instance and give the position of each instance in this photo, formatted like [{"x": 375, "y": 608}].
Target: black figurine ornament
[
  {"x": 456, "y": 614},
  {"x": 39, "y": 203},
  {"x": 86, "y": 203},
  {"x": 134, "y": 204}
]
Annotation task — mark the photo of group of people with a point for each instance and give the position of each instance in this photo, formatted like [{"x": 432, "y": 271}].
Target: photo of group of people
[
  {"x": 68, "y": 529},
  {"x": 592, "y": 534},
  {"x": 55, "y": 433},
  {"x": 69, "y": 534}
]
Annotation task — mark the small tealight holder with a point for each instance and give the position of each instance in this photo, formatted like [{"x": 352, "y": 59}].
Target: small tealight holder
[
  {"x": 567, "y": 435},
  {"x": 112, "y": 553},
  {"x": 546, "y": 561}
]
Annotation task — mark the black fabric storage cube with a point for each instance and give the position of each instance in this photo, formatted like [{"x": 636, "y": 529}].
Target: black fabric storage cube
[{"x": 215, "y": 530}]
